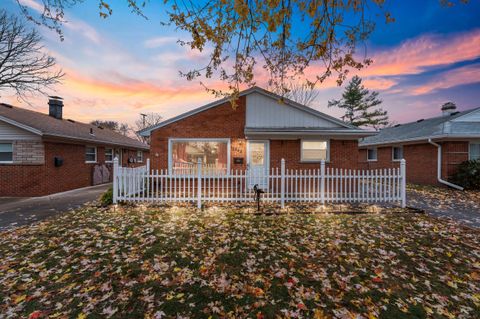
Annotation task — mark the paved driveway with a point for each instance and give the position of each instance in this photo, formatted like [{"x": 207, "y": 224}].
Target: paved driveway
[
  {"x": 22, "y": 211},
  {"x": 462, "y": 206}
]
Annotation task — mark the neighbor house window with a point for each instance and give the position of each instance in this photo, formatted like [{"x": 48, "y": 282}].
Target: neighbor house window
[
  {"x": 139, "y": 156},
  {"x": 90, "y": 154},
  {"x": 185, "y": 153},
  {"x": 397, "y": 153},
  {"x": 314, "y": 151},
  {"x": 474, "y": 151},
  {"x": 371, "y": 154},
  {"x": 6, "y": 152},
  {"x": 109, "y": 155}
]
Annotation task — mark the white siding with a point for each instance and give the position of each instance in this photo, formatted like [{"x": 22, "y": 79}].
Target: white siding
[
  {"x": 471, "y": 117},
  {"x": 13, "y": 133},
  {"x": 266, "y": 112}
]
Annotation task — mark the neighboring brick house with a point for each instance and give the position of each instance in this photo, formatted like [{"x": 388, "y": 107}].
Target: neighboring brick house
[
  {"x": 432, "y": 148},
  {"x": 42, "y": 154},
  {"x": 256, "y": 135}
]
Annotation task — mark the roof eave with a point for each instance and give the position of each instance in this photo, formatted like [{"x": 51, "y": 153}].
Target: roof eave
[
  {"x": 143, "y": 147},
  {"x": 355, "y": 134},
  {"x": 423, "y": 138},
  {"x": 20, "y": 125}
]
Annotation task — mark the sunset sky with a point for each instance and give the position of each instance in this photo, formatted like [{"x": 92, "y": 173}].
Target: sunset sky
[{"x": 119, "y": 67}]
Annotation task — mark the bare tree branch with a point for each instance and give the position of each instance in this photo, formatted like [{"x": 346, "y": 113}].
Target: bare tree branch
[{"x": 24, "y": 69}]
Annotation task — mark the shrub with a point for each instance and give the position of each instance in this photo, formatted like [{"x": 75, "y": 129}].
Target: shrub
[
  {"x": 107, "y": 197},
  {"x": 468, "y": 175}
]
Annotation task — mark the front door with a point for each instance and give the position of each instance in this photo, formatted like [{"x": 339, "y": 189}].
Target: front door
[{"x": 257, "y": 163}]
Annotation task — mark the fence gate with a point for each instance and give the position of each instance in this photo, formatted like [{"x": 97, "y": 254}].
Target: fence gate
[{"x": 322, "y": 185}]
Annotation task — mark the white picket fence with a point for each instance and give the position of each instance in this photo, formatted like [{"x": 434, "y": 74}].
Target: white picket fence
[{"x": 322, "y": 185}]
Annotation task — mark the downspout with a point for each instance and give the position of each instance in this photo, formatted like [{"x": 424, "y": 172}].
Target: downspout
[{"x": 439, "y": 166}]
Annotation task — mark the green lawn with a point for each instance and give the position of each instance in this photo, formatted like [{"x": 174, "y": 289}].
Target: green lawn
[{"x": 176, "y": 263}]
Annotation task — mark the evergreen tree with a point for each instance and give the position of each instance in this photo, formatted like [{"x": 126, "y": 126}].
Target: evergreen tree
[{"x": 360, "y": 106}]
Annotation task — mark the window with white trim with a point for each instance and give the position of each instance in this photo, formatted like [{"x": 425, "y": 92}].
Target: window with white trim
[
  {"x": 108, "y": 155},
  {"x": 185, "y": 153},
  {"x": 397, "y": 153},
  {"x": 90, "y": 154},
  {"x": 6, "y": 152},
  {"x": 139, "y": 156},
  {"x": 372, "y": 154},
  {"x": 474, "y": 151},
  {"x": 314, "y": 150}
]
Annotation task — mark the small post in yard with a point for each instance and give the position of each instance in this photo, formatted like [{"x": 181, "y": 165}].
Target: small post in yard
[
  {"x": 199, "y": 184},
  {"x": 403, "y": 173},
  {"x": 148, "y": 178},
  {"x": 115, "y": 180},
  {"x": 322, "y": 181},
  {"x": 282, "y": 183}
]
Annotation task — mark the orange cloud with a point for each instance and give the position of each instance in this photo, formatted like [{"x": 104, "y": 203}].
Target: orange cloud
[
  {"x": 464, "y": 75},
  {"x": 87, "y": 98},
  {"x": 414, "y": 56}
]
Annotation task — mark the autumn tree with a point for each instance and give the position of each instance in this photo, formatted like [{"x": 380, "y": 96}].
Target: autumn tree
[
  {"x": 361, "y": 106},
  {"x": 282, "y": 38},
  {"x": 24, "y": 68},
  {"x": 244, "y": 38}
]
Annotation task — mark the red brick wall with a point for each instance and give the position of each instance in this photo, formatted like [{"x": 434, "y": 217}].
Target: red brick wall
[
  {"x": 38, "y": 180},
  {"x": 219, "y": 122},
  {"x": 224, "y": 122},
  {"x": 421, "y": 160},
  {"x": 453, "y": 153},
  {"x": 21, "y": 180}
]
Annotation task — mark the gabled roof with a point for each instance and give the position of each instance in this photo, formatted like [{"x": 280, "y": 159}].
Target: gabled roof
[
  {"x": 255, "y": 89},
  {"x": 47, "y": 126},
  {"x": 455, "y": 125}
]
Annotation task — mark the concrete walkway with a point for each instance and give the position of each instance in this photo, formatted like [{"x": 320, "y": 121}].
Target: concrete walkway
[
  {"x": 461, "y": 206},
  {"x": 22, "y": 211}
]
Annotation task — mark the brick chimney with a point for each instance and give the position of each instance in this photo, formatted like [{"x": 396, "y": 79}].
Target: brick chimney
[
  {"x": 55, "y": 107},
  {"x": 448, "y": 108}
]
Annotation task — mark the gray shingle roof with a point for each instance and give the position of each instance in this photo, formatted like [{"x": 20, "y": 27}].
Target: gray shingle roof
[
  {"x": 437, "y": 127},
  {"x": 45, "y": 125}
]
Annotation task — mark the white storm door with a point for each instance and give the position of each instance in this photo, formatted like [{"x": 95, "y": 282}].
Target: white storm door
[{"x": 258, "y": 163}]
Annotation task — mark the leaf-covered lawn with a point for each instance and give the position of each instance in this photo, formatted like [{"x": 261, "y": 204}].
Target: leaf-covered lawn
[{"x": 176, "y": 263}]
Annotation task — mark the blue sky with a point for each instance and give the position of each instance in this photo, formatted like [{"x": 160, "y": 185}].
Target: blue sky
[{"x": 124, "y": 65}]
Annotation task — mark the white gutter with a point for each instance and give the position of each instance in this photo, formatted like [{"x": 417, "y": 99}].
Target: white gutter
[{"x": 439, "y": 166}]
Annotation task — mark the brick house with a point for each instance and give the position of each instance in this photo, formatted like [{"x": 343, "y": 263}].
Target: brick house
[
  {"x": 432, "y": 148},
  {"x": 42, "y": 154},
  {"x": 256, "y": 135}
]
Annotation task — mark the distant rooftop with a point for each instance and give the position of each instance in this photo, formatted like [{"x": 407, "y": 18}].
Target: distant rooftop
[
  {"x": 451, "y": 125},
  {"x": 45, "y": 125}
]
